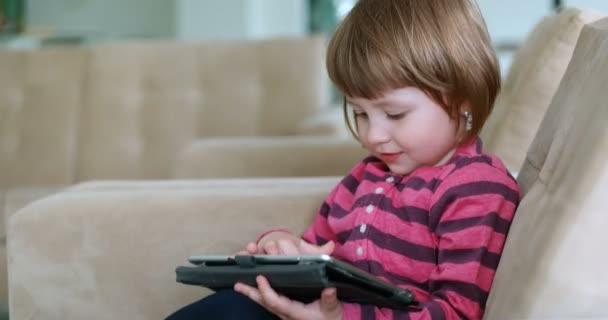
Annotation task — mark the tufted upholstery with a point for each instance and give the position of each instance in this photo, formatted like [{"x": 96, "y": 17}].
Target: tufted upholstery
[{"x": 122, "y": 110}]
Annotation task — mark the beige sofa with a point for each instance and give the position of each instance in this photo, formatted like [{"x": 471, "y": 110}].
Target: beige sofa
[{"x": 108, "y": 250}]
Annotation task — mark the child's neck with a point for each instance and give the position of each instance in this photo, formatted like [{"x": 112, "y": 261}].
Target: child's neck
[{"x": 446, "y": 158}]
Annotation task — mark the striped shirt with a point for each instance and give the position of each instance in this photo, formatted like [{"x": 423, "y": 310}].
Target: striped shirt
[{"x": 438, "y": 231}]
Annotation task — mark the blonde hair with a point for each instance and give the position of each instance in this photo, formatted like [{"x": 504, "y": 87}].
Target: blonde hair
[{"x": 439, "y": 46}]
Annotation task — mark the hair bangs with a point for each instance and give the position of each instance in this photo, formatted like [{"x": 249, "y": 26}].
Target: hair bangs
[{"x": 359, "y": 67}]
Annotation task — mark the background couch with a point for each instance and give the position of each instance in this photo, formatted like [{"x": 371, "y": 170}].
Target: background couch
[{"x": 123, "y": 110}]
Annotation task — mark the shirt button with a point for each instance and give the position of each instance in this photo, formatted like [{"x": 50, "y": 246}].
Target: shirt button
[
  {"x": 379, "y": 190},
  {"x": 362, "y": 228},
  {"x": 360, "y": 251},
  {"x": 369, "y": 209},
  {"x": 390, "y": 180}
]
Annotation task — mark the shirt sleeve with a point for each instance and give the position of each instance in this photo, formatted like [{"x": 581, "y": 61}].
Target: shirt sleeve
[{"x": 470, "y": 215}]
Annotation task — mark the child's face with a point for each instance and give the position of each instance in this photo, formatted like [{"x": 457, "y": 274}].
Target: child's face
[{"x": 406, "y": 129}]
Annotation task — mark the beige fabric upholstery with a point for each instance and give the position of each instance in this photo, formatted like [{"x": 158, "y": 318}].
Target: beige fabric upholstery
[
  {"x": 122, "y": 110},
  {"x": 12, "y": 201},
  {"x": 109, "y": 251},
  {"x": 325, "y": 123},
  {"x": 269, "y": 157},
  {"x": 39, "y": 112},
  {"x": 4, "y": 273},
  {"x": 16, "y": 199},
  {"x": 554, "y": 261},
  {"x": 531, "y": 83}
]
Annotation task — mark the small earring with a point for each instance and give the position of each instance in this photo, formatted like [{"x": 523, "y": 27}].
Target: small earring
[{"x": 469, "y": 124}]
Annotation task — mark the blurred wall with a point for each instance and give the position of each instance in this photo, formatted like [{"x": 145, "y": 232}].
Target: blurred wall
[
  {"x": 511, "y": 20},
  {"x": 106, "y": 18},
  {"x": 600, "y": 5},
  {"x": 271, "y": 18},
  {"x": 240, "y": 19},
  {"x": 182, "y": 19}
]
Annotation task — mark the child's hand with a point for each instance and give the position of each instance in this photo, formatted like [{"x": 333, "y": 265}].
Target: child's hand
[
  {"x": 307, "y": 248},
  {"x": 294, "y": 246},
  {"x": 282, "y": 243},
  {"x": 250, "y": 249},
  {"x": 326, "y": 308}
]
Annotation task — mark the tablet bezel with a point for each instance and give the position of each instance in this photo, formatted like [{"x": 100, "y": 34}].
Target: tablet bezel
[{"x": 339, "y": 266}]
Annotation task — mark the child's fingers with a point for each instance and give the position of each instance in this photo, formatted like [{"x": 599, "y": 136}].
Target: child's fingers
[
  {"x": 271, "y": 247},
  {"x": 287, "y": 247},
  {"x": 271, "y": 299},
  {"x": 329, "y": 300},
  {"x": 251, "y": 292},
  {"x": 307, "y": 248},
  {"x": 328, "y": 247},
  {"x": 251, "y": 248}
]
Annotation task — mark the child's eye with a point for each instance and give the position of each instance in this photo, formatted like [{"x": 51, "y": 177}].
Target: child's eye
[{"x": 396, "y": 116}]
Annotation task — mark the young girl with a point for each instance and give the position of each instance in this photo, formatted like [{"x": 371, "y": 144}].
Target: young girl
[{"x": 428, "y": 210}]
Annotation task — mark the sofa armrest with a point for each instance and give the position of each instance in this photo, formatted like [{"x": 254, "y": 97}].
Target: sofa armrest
[
  {"x": 17, "y": 198},
  {"x": 11, "y": 201},
  {"x": 109, "y": 251},
  {"x": 268, "y": 157}
]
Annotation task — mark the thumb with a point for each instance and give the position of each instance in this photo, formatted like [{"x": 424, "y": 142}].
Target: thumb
[
  {"x": 329, "y": 301},
  {"x": 307, "y": 248}
]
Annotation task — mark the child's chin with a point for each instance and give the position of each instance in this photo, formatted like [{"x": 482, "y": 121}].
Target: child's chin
[{"x": 399, "y": 169}]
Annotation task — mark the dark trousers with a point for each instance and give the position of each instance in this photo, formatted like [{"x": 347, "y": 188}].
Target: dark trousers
[{"x": 227, "y": 304}]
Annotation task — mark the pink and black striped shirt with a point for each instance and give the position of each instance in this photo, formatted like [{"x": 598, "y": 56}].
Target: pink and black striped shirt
[{"x": 438, "y": 231}]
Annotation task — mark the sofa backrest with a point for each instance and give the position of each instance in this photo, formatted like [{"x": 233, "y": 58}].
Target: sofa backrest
[
  {"x": 533, "y": 78},
  {"x": 269, "y": 157},
  {"x": 554, "y": 258},
  {"x": 121, "y": 110}
]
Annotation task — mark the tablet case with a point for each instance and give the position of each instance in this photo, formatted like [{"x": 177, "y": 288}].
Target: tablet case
[{"x": 302, "y": 281}]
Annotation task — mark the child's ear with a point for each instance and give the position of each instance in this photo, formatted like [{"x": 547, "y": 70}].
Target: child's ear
[
  {"x": 464, "y": 113},
  {"x": 465, "y": 118},
  {"x": 465, "y": 107}
]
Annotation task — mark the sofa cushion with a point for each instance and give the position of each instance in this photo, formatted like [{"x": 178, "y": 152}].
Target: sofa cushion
[
  {"x": 533, "y": 78},
  {"x": 553, "y": 262}
]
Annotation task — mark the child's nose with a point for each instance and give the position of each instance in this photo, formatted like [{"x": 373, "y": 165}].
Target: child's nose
[{"x": 377, "y": 133}]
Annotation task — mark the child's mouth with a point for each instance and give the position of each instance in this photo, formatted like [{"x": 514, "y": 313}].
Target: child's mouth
[{"x": 390, "y": 157}]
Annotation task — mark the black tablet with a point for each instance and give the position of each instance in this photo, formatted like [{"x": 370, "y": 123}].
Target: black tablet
[{"x": 300, "y": 277}]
